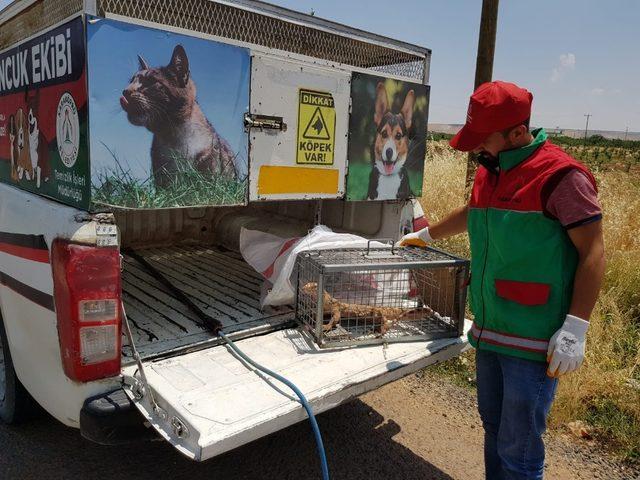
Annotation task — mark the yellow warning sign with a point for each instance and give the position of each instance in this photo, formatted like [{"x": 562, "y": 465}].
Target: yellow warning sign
[{"x": 316, "y": 128}]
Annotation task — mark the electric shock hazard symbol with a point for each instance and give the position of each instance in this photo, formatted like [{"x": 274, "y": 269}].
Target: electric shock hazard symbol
[{"x": 316, "y": 128}]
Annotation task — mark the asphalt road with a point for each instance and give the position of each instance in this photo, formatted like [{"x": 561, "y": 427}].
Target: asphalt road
[
  {"x": 420, "y": 427},
  {"x": 358, "y": 441}
]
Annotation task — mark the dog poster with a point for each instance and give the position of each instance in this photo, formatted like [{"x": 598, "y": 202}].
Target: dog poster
[
  {"x": 43, "y": 115},
  {"x": 166, "y": 124},
  {"x": 387, "y": 138}
]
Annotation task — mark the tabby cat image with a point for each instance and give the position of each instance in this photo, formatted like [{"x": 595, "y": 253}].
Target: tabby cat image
[{"x": 163, "y": 100}]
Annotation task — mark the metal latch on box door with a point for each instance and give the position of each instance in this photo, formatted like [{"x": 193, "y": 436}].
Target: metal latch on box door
[{"x": 264, "y": 122}]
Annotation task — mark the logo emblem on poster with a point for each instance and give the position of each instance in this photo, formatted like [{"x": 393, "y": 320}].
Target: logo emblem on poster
[{"x": 67, "y": 130}]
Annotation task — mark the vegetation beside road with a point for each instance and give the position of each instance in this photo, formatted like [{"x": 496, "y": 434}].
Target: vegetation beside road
[{"x": 596, "y": 151}]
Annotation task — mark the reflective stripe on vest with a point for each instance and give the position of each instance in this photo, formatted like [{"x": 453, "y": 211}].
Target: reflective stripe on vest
[{"x": 511, "y": 341}]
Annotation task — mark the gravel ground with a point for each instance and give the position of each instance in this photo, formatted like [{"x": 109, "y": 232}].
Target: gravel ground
[
  {"x": 416, "y": 428},
  {"x": 453, "y": 418}
]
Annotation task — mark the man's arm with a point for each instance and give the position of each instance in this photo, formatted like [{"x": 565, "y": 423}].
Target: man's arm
[
  {"x": 567, "y": 345},
  {"x": 589, "y": 242},
  {"x": 452, "y": 224}
]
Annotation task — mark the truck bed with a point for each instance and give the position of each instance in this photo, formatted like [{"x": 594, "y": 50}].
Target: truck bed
[{"x": 217, "y": 280}]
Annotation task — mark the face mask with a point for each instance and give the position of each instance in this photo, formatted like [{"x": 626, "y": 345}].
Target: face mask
[{"x": 489, "y": 162}]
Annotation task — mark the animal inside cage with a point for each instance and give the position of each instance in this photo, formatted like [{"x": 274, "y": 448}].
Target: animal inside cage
[{"x": 360, "y": 296}]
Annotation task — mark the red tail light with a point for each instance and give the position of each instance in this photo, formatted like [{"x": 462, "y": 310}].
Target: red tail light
[{"x": 87, "y": 297}]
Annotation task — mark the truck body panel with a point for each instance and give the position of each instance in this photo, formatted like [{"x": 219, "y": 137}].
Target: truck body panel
[
  {"x": 209, "y": 401},
  {"x": 26, "y": 298},
  {"x": 278, "y": 88}
]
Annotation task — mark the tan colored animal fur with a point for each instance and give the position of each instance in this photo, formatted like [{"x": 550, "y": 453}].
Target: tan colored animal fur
[{"x": 382, "y": 317}]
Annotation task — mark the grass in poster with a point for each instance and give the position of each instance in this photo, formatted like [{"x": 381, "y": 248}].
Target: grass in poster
[
  {"x": 359, "y": 174},
  {"x": 189, "y": 187}
]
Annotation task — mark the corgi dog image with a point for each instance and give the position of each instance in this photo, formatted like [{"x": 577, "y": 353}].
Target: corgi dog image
[
  {"x": 38, "y": 150},
  {"x": 23, "y": 160},
  {"x": 13, "y": 147},
  {"x": 389, "y": 179}
]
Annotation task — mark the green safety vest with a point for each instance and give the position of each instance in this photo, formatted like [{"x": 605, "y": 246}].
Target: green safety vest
[{"x": 522, "y": 261}]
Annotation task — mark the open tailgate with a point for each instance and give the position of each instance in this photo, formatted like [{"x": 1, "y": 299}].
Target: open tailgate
[{"x": 211, "y": 402}]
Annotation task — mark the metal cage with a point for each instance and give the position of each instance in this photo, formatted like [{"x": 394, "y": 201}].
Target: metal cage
[{"x": 380, "y": 295}]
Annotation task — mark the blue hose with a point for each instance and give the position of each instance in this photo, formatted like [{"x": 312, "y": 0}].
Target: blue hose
[
  {"x": 296, "y": 390},
  {"x": 215, "y": 327}
]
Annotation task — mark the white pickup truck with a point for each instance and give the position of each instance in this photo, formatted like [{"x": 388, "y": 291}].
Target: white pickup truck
[{"x": 64, "y": 271}]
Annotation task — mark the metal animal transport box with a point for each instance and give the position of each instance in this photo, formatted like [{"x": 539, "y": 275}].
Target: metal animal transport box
[
  {"x": 380, "y": 295},
  {"x": 109, "y": 104}
]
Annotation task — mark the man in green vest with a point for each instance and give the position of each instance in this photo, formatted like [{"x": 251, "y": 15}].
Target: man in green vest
[{"x": 537, "y": 263}]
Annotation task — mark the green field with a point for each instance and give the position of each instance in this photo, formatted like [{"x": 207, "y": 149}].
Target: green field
[{"x": 596, "y": 151}]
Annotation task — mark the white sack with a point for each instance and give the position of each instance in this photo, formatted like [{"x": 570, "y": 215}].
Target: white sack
[{"x": 275, "y": 257}]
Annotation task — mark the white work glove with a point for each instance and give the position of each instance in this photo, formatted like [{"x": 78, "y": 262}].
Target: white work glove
[
  {"x": 416, "y": 239},
  {"x": 566, "y": 347}
]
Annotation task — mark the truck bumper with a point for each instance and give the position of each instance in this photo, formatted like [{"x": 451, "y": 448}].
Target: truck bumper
[{"x": 112, "y": 419}]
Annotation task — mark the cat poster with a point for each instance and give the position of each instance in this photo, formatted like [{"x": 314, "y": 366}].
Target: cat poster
[
  {"x": 166, "y": 118},
  {"x": 43, "y": 115},
  {"x": 387, "y": 138}
]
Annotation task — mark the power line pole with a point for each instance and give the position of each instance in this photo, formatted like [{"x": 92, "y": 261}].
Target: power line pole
[
  {"x": 624, "y": 158},
  {"x": 586, "y": 128},
  {"x": 484, "y": 63}
]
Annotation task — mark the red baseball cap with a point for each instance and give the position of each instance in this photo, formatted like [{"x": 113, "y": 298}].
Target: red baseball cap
[{"x": 493, "y": 107}]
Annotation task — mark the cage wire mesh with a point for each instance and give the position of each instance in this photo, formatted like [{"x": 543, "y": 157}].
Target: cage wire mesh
[
  {"x": 253, "y": 27},
  {"x": 233, "y": 22},
  {"x": 380, "y": 295}
]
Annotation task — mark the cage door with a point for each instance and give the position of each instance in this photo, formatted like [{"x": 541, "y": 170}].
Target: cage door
[{"x": 298, "y": 130}]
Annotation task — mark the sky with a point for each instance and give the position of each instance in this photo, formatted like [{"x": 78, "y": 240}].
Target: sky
[{"x": 576, "y": 56}]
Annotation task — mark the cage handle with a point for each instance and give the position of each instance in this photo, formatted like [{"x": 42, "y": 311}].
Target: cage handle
[{"x": 389, "y": 241}]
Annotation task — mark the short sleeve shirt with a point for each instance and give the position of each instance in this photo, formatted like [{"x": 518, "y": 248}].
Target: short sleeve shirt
[{"x": 573, "y": 201}]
